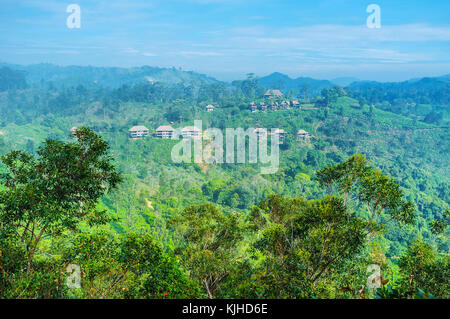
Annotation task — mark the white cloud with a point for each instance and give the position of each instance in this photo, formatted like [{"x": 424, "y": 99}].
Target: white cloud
[
  {"x": 340, "y": 34},
  {"x": 199, "y": 53},
  {"x": 339, "y": 43},
  {"x": 131, "y": 51}
]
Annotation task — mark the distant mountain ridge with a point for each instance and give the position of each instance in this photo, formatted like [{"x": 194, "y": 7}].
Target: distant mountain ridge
[
  {"x": 426, "y": 90},
  {"x": 344, "y": 81},
  {"x": 283, "y": 82},
  {"x": 113, "y": 77},
  {"x": 430, "y": 89}
]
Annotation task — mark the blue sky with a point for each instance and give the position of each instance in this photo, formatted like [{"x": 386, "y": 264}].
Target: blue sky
[{"x": 323, "y": 39}]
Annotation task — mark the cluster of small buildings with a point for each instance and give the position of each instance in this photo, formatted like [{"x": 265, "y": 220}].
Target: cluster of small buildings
[{"x": 274, "y": 103}]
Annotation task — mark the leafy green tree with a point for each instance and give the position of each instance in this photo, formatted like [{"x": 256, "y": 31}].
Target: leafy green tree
[
  {"x": 210, "y": 244},
  {"x": 55, "y": 191},
  {"x": 127, "y": 266},
  {"x": 330, "y": 96},
  {"x": 305, "y": 244},
  {"x": 156, "y": 274},
  {"x": 96, "y": 254},
  {"x": 355, "y": 179},
  {"x": 422, "y": 268},
  {"x": 439, "y": 226}
]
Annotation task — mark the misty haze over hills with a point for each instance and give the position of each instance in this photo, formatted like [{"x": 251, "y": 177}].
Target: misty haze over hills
[{"x": 116, "y": 76}]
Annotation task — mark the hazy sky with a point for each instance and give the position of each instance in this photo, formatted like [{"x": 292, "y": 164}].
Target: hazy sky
[{"x": 229, "y": 38}]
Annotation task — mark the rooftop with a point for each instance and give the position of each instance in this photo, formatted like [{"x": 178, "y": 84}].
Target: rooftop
[
  {"x": 165, "y": 128},
  {"x": 138, "y": 128},
  {"x": 190, "y": 128},
  {"x": 274, "y": 92}
]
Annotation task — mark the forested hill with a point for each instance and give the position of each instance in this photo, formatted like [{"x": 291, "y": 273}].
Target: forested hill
[
  {"x": 430, "y": 90},
  {"x": 111, "y": 77},
  {"x": 425, "y": 90}
]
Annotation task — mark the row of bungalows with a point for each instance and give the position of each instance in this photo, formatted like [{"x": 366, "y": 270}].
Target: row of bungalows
[
  {"x": 168, "y": 132},
  {"x": 277, "y": 94},
  {"x": 254, "y": 107},
  {"x": 274, "y": 105},
  {"x": 193, "y": 132},
  {"x": 301, "y": 134}
]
